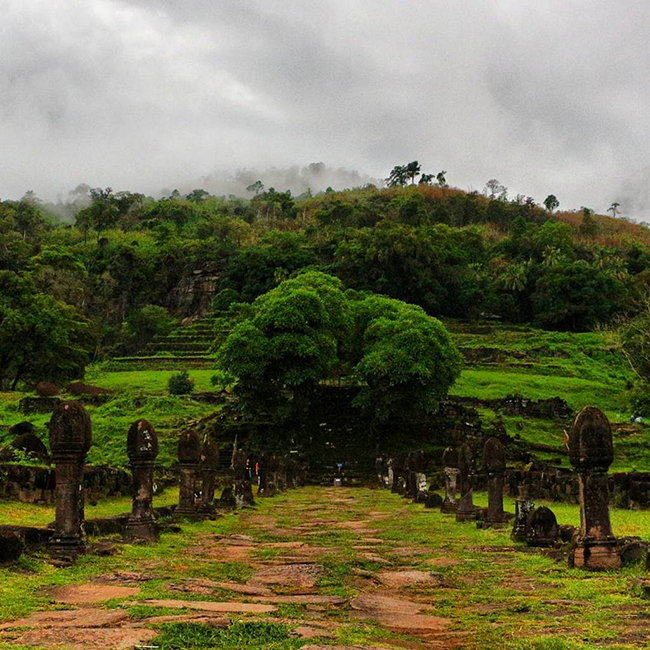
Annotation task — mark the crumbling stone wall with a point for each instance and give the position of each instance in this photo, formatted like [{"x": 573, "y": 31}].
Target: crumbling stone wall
[
  {"x": 32, "y": 484},
  {"x": 553, "y": 408},
  {"x": 627, "y": 489}
]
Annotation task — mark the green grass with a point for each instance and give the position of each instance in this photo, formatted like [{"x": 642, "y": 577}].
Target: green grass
[
  {"x": 583, "y": 368},
  {"x": 488, "y": 383},
  {"x": 256, "y": 636},
  {"x": 145, "y": 381},
  {"x": 32, "y": 514},
  {"x": 111, "y": 421}
]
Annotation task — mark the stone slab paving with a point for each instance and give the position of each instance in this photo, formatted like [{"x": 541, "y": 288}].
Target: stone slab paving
[{"x": 320, "y": 562}]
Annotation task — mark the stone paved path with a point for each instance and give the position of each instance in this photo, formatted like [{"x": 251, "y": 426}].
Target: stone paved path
[{"x": 337, "y": 568}]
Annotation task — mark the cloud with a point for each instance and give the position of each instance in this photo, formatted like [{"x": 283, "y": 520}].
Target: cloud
[{"x": 141, "y": 94}]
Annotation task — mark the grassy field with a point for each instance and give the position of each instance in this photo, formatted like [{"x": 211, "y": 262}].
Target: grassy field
[
  {"x": 583, "y": 369},
  {"x": 31, "y": 514},
  {"x": 481, "y": 591}
]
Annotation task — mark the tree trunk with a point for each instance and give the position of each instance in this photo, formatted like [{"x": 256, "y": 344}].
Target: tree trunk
[{"x": 19, "y": 373}]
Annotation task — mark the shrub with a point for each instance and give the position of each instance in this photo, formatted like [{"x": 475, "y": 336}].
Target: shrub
[{"x": 180, "y": 384}]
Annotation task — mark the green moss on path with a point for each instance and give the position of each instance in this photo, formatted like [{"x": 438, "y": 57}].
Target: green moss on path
[{"x": 473, "y": 588}]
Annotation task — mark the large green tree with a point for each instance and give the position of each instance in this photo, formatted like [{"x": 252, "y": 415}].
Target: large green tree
[
  {"x": 577, "y": 296},
  {"x": 308, "y": 330},
  {"x": 40, "y": 337}
]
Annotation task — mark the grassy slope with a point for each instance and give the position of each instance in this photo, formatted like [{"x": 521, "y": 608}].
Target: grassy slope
[
  {"x": 584, "y": 369},
  {"x": 141, "y": 394}
]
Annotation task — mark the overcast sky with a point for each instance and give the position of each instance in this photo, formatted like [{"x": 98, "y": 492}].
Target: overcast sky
[{"x": 550, "y": 96}]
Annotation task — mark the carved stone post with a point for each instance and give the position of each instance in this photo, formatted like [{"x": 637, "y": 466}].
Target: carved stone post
[
  {"x": 189, "y": 456},
  {"x": 380, "y": 471},
  {"x": 272, "y": 476},
  {"x": 400, "y": 474},
  {"x": 421, "y": 487},
  {"x": 591, "y": 451},
  {"x": 208, "y": 469},
  {"x": 465, "y": 510},
  {"x": 263, "y": 473},
  {"x": 450, "y": 465},
  {"x": 409, "y": 467},
  {"x": 142, "y": 449},
  {"x": 395, "y": 467},
  {"x": 292, "y": 476},
  {"x": 282, "y": 473},
  {"x": 523, "y": 507},
  {"x": 70, "y": 440},
  {"x": 494, "y": 463},
  {"x": 243, "y": 485}
]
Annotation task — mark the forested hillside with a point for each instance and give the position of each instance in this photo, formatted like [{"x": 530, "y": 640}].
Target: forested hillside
[{"x": 120, "y": 269}]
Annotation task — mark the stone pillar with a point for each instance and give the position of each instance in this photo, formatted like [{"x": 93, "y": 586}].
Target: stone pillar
[
  {"x": 450, "y": 465},
  {"x": 421, "y": 487},
  {"x": 262, "y": 490},
  {"x": 399, "y": 475},
  {"x": 591, "y": 451},
  {"x": 389, "y": 474},
  {"x": 409, "y": 467},
  {"x": 70, "y": 440},
  {"x": 292, "y": 472},
  {"x": 142, "y": 449},
  {"x": 523, "y": 507},
  {"x": 208, "y": 469},
  {"x": 282, "y": 473},
  {"x": 465, "y": 510},
  {"x": 380, "y": 471},
  {"x": 494, "y": 463},
  {"x": 243, "y": 485},
  {"x": 395, "y": 468},
  {"x": 189, "y": 456},
  {"x": 272, "y": 476}
]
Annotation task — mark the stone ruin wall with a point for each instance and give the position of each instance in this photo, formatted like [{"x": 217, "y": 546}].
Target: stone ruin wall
[
  {"x": 627, "y": 489},
  {"x": 33, "y": 484}
]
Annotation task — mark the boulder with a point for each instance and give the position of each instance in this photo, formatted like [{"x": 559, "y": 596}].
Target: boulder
[
  {"x": 31, "y": 444},
  {"x": 11, "y": 547},
  {"x": 79, "y": 388},
  {"x": 433, "y": 500},
  {"x": 227, "y": 500},
  {"x": 21, "y": 428},
  {"x": 47, "y": 389},
  {"x": 568, "y": 533},
  {"x": 633, "y": 552}
]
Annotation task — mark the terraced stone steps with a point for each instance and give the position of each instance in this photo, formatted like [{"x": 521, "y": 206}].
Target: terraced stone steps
[{"x": 187, "y": 347}]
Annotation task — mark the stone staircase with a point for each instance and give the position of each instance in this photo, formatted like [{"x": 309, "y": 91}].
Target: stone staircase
[{"x": 188, "y": 347}]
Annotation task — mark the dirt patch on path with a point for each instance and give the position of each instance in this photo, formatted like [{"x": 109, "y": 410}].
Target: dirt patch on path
[
  {"x": 212, "y": 606},
  {"x": 91, "y": 593},
  {"x": 398, "y": 613},
  {"x": 84, "y": 617},
  {"x": 88, "y": 638},
  {"x": 301, "y": 576},
  {"x": 443, "y": 561},
  {"x": 407, "y": 578}
]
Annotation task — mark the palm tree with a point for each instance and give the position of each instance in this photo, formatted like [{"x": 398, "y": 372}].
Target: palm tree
[
  {"x": 515, "y": 276},
  {"x": 413, "y": 170}
]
